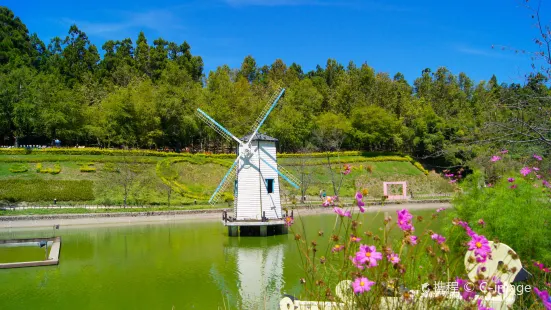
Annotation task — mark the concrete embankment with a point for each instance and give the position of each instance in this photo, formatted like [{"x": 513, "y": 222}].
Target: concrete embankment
[{"x": 125, "y": 218}]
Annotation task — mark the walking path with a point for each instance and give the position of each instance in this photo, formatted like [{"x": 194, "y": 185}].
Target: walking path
[{"x": 102, "y": 219}]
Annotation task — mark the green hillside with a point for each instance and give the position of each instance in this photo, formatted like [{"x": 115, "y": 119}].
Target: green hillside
[{"x": 150, "y": 178}]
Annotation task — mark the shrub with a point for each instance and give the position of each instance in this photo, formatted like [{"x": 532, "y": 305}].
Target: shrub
[
  {"x": 517, "y": 213},
  {"x": 19, "y": 168},
  {"x": 55, "y": 170},
  {"x": 46, "y": 190},
  {"x": 87, "y": 167}
]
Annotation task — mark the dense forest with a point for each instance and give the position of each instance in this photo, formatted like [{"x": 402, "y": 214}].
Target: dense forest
[{"x": 144, "y": 95}]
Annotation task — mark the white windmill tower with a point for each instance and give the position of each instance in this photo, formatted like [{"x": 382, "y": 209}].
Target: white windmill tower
[{"x": 257, "y": 203}]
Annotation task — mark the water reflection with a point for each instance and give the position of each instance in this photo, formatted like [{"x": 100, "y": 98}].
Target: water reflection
[{"x": 259, "y": 270}]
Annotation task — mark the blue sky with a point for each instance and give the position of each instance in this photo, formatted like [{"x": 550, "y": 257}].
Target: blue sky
[{"x": 391, "y": 36}]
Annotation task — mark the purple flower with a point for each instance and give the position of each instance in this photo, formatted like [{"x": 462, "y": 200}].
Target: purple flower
[
  {"x": 360, "y": 202},
  {"x": 393, "y": 258},
  {"x": 438, "y": 238},
  {"x": 448, "y": 175},
  {"x": 481, "y": 247},
  {"x": 546, "y": 183},
  {"x": 404, "y": 220},
  {"x": 537, "y": 157},
  {"x": 342, "y": 212},
  {"x": 329, "y": 201},
  {"x": 535, "y": 168},
  {"x": 466, "y": 289},
  {"x": 495, "y": 158},
  {"x": 452, "y": 181},
  {"x": 368, "y": 255},
  {"x": 362, "y": 285},
  {"x": 356, "y": 263},
  {"x": 525, "y": 171},
  {"x": 511, "y": 180},
  {"x": 513, "y": 186},
  {"x": 337, "y": 248},
  {"x": 355, "y": 239},
  {"x": 440, "y": 210},
  {"x": 289, "y": 221},
  {"x": 504, "y": 152},
  {"x": 545, "y": 298},
  {"x": 411, "y": 239},
  {"x": 347, "y": 169}
]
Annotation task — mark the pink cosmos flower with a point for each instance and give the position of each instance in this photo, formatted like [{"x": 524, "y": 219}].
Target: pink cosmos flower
[
  {"x": 495, "y": 158},
  {"x": 355, "y": 239},
  {"x": 329, "y": 201},
  {"x": 481, "y": 247},
  {"x": 360, "y": 202},
  {"x": 537, "y": 157},
  {"x": 538, "y": 176},
  {"x": 438, "y": 238},
  {"x": 342, "y": 212},
  {"x": 448, "y": 175},
  {"x": 356, "y": 263},
  {"x": 404, "y": 220},
  {"x": 452, "y": 181},
  {"x": 289, "y": 221},
  {"x": 525, "y": 171},
  {"x": 411, "y": 239},
  {"x": 546, "y": 183},
  {"x": 504, "y": 151},
  {"x": 393, "y": 258},
  {"x": 511, "y": 180},
  {"x": 535, "y": 168},
  {"x": 541, "y": 266},
  {"x": 347, "y": 169},
  {"x": 368, "y": 255},
  {"x": 465, "y": 289},
  {"x": 362, "y": 285},
  {"x": 545, "y": 298},
  {"x": 337, "y": 248},
  {"x": 440, "y": 210},
  {"x": 513, "y": 186}
]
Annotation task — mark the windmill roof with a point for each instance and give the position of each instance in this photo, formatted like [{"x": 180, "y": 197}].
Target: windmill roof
[{"x": 259, "y": 136}]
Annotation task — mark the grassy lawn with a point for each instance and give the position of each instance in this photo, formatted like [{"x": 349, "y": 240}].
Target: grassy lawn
[{"x": 195, "y": 178}]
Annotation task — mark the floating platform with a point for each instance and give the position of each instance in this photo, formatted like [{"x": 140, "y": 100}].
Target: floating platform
[
  {"x": 53, "y": 257},
  {"x": 256, "y": 228}
]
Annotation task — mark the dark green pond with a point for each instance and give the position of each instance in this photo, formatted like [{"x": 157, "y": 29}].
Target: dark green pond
[{"x": 180, "y": 265}]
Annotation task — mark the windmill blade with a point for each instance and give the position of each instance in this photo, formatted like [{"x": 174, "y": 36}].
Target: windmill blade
[
  {"x": 217, "y": 127},
  {"x": 230, "y": 175},
  {"x": 266, "y": 111},
  {"x": 286, "y": 178}
]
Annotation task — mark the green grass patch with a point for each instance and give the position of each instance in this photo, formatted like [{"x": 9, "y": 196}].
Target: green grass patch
[{"x": 45, "y": 190}]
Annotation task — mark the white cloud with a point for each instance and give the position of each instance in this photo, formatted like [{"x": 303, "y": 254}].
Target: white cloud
[{"x": 130, "y": 22}]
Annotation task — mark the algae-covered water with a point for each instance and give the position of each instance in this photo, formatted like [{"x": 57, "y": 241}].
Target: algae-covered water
[{"x": 172, "y": 265}]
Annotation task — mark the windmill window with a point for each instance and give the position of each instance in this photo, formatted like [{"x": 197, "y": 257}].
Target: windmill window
[{"x": 270, "y": 185}]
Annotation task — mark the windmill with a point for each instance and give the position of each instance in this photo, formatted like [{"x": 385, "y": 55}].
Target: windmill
[{"x": 254, "y": 177}]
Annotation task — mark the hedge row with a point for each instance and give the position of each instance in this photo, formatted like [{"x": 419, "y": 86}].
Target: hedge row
[
  {"x": 105, "y": 152},
  {"x": 115, "y": 152},
  {"x": 46, "y": 190}
]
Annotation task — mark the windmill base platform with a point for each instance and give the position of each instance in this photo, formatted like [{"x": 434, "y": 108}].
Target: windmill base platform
[{"x": 256, "y": 228}]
